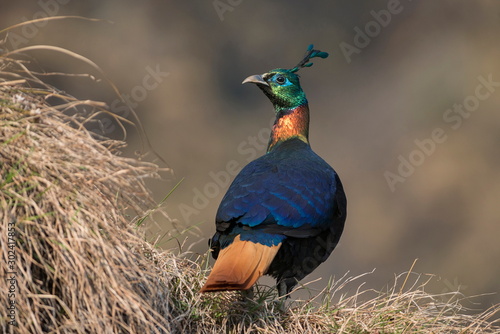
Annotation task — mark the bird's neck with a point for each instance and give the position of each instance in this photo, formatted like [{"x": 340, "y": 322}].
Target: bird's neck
[{"x": 290, "y": 123}]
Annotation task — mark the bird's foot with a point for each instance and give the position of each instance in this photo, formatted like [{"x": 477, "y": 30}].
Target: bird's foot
[{"x": 247, "y": 295}]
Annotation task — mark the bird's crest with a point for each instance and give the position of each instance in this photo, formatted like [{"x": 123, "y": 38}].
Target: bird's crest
[{"x": 310, "y": 53}]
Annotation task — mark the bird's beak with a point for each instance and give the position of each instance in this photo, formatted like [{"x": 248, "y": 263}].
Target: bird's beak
[{"x": 256, "y": 79}]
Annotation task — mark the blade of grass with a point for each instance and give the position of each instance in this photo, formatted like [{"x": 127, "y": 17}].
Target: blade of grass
[{"x": 141, "y": 220}]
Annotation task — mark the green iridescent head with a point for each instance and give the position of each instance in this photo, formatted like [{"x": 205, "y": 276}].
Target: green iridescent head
[{"x": 282, "y": 86}]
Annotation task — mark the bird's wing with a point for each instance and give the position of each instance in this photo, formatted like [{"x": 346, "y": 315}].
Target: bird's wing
[{"x": 282, "y": 195}]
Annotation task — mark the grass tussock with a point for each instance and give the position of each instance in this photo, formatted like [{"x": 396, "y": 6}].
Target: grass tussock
[{"x": 81, "y": 266}]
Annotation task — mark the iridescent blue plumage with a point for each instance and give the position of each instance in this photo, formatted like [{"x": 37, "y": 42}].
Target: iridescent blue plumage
[
  {"x": 291, "y": 186},
  {"x": 288, "y": 204}
]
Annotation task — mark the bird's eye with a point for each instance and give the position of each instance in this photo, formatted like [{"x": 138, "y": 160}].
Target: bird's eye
[{"x": 280, "y": 79}]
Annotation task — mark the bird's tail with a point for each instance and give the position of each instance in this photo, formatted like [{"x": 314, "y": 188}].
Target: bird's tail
[{"x": 239, "y": 265}]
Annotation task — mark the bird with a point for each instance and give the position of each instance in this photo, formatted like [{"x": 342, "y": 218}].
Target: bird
[{"x": 285, "y": 211}]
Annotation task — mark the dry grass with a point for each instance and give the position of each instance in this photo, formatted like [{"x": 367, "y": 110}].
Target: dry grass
[{"x": 81, "y": 265}]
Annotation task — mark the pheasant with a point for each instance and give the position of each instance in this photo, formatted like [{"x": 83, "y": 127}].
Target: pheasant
[{"x": 284, "y": 212}]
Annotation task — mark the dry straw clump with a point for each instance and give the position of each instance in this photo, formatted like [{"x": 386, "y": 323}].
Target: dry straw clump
[{"x": 75, "y": 263}]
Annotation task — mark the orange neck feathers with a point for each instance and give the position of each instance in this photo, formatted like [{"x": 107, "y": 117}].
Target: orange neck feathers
[{"x": 289, "y": 124}]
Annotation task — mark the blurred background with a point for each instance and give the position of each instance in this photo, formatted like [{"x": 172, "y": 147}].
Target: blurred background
[{"x": 406, "y": 109}]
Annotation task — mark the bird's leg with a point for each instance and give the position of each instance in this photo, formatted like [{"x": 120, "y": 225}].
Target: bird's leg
[
  {"x": 282, "y": 288},
  {"x": 285, "y": 286},
  {"x": 282, "y": 291},
  {"x": 247, "y": 294}
]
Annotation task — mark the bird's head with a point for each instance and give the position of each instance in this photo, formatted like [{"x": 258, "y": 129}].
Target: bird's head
[{"x": 282, "y": 86}]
